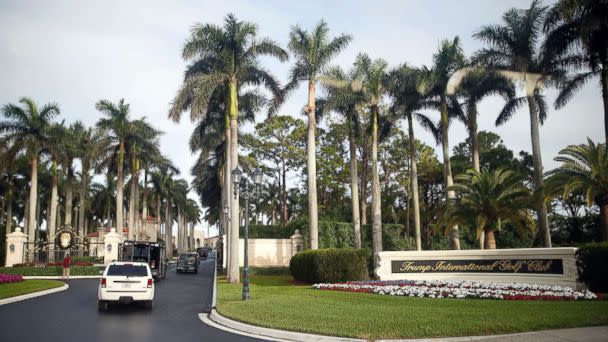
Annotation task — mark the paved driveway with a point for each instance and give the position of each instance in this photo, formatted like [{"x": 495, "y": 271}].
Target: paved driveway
[{"x": 72, "y": 315}]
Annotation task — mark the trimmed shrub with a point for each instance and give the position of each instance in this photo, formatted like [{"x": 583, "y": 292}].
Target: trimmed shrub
[
  {"x": 330, "y": 265},
  {"x": 269, "y": 271},
  {"x": 591, "y": 262},
  {"x": 267, "y": 232},
  {"x": 52, "y": 270}
]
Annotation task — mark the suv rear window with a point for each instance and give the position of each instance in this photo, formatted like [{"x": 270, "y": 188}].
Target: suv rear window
[{"x": 128, "y": 270}]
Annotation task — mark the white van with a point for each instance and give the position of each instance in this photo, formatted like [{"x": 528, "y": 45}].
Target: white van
[{"x": 126, "y": 282}]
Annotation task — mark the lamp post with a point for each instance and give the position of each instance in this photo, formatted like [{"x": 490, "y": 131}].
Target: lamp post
[{"x": 220, "y": 252}]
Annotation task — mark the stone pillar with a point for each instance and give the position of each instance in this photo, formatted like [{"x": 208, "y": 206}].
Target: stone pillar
[
  {"x": 297, "y": 242},
  {"x": 110, "y": 244},
  {"x": 15, "y": 247}
]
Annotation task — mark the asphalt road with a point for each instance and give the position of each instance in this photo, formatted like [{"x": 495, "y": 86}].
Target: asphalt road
[{"x": 72, "y": 315}]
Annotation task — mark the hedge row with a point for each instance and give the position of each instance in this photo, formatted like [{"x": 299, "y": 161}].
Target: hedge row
[
  {"x": 336, "y": 234},
  {"x": 330, "y": 265},
  {"x": 591, "y": 260},
  {"x": 52, "y": 270}
]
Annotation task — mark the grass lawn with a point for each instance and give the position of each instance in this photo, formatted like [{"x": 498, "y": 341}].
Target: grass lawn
[
  {"x": 276, "y": 303},
  {"x": 27, "y": 286}
]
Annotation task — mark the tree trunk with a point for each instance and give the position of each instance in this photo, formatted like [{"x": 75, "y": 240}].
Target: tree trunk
[
  {"x": 364, "y": 173},
  {"x": 158, "y": 201},
  {"x": 180, "y": 246},
  {"x": 447, "y": 169},
  {"x": 234, "y": 200},
  {"x": 144, "y": 208},
  {"x": 414, "y": 182},
  {"x": 311, "y": 165},
  {"x": 136, "y": 216},
  {"x": 131, "y": 223},
  {"x": 69, "y": 195},
  {"x": 227, "y": 194},
  {"x": 83, "y": 199},
  {"x": 119, "y": 188},
  {"x": 475, "y": 155},
  {"x": 604, "y": 77},
  {"x": 53, "y": 214},
  {"x": 168, "y": 228},
  {"x": 602, "y": 203},
  {"x": 31, "y": 222},
  {"x": 543, "y": 217},
  {"x": 354, "y": 185},
  {"x": 9, "y": 205},
  {"x": 490, "y": 241},
  {"x": 376, "y": 210},
  {"x": 283, "y": 195}
]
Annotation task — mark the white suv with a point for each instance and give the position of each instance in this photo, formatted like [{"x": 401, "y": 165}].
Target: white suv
[{"x": 126, "y": 282}]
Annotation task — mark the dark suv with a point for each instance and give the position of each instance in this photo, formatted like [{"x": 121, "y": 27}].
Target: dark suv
[{"x": 187, "y": 262}]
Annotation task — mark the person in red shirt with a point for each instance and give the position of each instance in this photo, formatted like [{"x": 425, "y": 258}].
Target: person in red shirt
[{"x": 67, "y": 262}]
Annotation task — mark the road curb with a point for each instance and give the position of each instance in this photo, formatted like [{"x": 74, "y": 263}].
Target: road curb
[
  {"x": 61, "y": 278},
  {"x": 34, "y": 294},
  {"x": 240, "y": 328}
]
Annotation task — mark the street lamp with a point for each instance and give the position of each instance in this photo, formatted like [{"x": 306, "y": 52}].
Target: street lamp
[
  {"x": 236, "y": 180},
  {"x": 220, "y": 252},
  {"x": 246, "y": 195}
]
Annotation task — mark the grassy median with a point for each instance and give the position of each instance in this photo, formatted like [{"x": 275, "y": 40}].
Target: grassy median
[
  {"x": 27, "y": 286},
  {"x": 277, "y": 303}
]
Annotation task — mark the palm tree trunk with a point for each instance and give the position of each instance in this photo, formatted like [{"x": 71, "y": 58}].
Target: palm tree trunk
[
  {"x": 354, "y": 185},
  {"x": 158, "y": 232},
  {"x": 364, "y": 172},
  {"x": 414, "y": 182},
  {"x": 283, "y": 194},
  {"x": 447, "y": 168},
  {"x": 604, "y": 77},
  {"x": 119, "y": 188},
  {"x": 132, "y": 229},
  {"x": 53, "y": 214},
  {"x": 376, "y": 210},
  {"x": 9, "y": 205},
  {"x": 226, "y": 202},
  {"x": 69, "y": 195},
  {"x": 144, "y": 209},
  {"x": 490, "y": 241},
  {"x": 83, "y": 194},
  {"x": 311, "y": 165},
  {"x": 168, "y": 229},
  {"x": 475, "y": 155},
  {"x": 602, "y": 203},
  {"x": 234, "y": 200},
  {"x": 180, "y": 247},
  {"x": 543, "y": 217},
  {"x": 136, "y": 216},
  {"x": 31, "y": 222}
]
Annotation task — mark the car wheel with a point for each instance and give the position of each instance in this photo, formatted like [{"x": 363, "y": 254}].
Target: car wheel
[
  {"x": 149, "y": 304},
  {"x": 102, "y": 306}
]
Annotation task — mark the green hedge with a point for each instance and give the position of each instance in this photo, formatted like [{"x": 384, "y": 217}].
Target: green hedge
[
  {"x": 268, "y": 232},
  {"x": 330, "y": 265},
  {"x": 52, "y": 271},
  {"x": 591, "y": 261}
]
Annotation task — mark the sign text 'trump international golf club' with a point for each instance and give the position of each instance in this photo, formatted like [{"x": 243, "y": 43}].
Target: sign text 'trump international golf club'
[{"x": 542, "y": 266}]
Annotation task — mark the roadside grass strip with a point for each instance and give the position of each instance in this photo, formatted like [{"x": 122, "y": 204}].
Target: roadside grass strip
[
  {"x": 8, "y": 290},
  {"x": 461, "y": 289},
  {"x": 280, "y": 303}
]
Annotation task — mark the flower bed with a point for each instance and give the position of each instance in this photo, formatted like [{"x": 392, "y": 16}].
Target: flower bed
[
  {"x": 9, "y": 278},
  {"x": 461, "y": 289}
]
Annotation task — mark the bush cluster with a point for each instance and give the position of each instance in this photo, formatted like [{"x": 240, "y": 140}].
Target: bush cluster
[
  {"x": 330, "y": 265},
  {"x": 591, "y": 262}
]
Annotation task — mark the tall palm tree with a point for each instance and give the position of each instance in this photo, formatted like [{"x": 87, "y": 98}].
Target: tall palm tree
[
  {"x": 584, "y": 169},
  {"x": 119, "y": 128},
  {"x": 27, "y": 127},
  {"x": 344, "y": 101},
  {"x": 577, "y": 32},
  {"x": 90, "y": 147},
  {"x": 70, "y": 154},
  {"x": 489, "y": 199},
  {"x": 9, "y": 158},
  {"x": 227, "y": 58},
  {"x": 313, "y": 52},
  {"x": 446, "y": 61},
  {"x": 407, "y": 99},
  {"x": 54, "y": 148},
  {"x": 512, "y": 49},
  {"x": 373, "y": 77},
  {"x": 192, "y": 213}
]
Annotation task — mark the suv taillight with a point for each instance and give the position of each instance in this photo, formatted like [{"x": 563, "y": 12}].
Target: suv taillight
[
  {"x": 103, "y": 282},
  {"x": 149, "y": 282}
]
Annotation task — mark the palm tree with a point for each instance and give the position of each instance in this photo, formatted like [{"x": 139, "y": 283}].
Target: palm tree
[
  {"x": 373, "y": 78},
  {"x": 584, "y": 169},
  {"x": 192, "y": 213},
  {"x": 512, "y": 50},
  {"x": 344, "y": 101},
  {"x": 54, "y": 147},
  {"x": 489, "y": 199},
  {"x": 406, "y": 100},
  {"x": 577, "y": 32},
  {"x": 446, "y": 61},
  {"x": 27, "y": 127},
  {"x": 90, "y": 145},
  {"x": 225, "y": 58},
  {"x": 313, "y": 52},
  {"x": 70, "y": 149}
]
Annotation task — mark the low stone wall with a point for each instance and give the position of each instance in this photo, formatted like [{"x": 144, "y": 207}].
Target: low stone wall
[
  {"x": 268, "y": 252},
  {"x": 554, "y": 266}
]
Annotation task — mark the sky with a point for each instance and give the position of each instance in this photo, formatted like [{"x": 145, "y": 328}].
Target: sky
[{"x": 78, "y": 52}]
